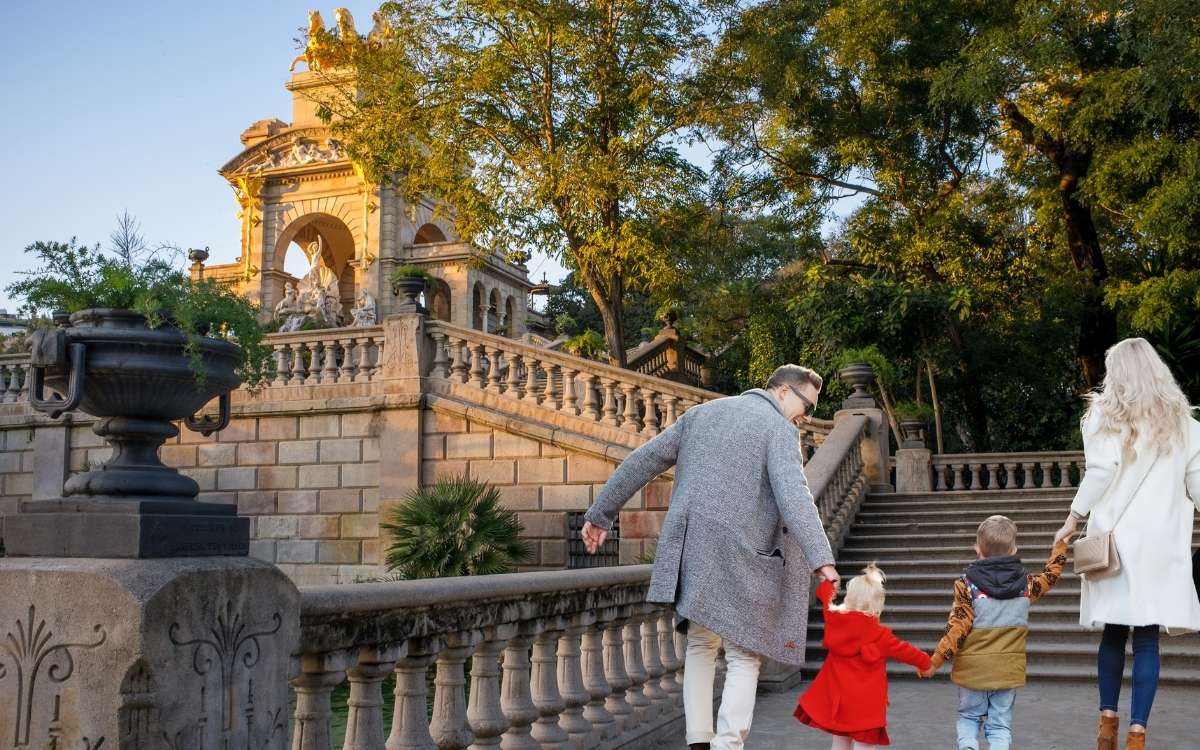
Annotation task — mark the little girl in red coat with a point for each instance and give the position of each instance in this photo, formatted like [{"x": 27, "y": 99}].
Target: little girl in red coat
[{"x": 849, "y": 696}]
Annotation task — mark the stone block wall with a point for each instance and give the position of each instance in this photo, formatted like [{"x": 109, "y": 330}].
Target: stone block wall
[
  {"x": 543, "y": 482},
  {"x": 16, "y": 468}
]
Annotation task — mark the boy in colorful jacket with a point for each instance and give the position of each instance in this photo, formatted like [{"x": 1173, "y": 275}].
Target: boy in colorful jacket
[{"x": 985, "y": 635}]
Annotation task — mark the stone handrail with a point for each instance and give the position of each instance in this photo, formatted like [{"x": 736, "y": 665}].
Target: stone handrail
[
  {"x": 561, "y": 659},
  {"x": 837, "y": 476},
  {"x": 14, "y": 377},
  {"x": 1006, "y": 471},
  {"x": 326, "y": 355}
]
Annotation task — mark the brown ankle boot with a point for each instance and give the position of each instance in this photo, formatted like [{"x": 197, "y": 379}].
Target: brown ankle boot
[
  {"x": 1135, "y": 741},
  {"x": 1106, "y": 738}
]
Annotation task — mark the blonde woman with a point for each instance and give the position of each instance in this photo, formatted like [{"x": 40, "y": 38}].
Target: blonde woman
[{"x": 1142, "y": 448}]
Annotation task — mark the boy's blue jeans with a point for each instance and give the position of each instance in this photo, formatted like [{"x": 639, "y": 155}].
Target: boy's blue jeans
[{"x": 993, "y": 709}]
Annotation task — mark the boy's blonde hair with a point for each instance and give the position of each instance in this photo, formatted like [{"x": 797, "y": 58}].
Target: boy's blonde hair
[
  {"x": 997, "y": 535},
  {"x": 865, "y": 593}
]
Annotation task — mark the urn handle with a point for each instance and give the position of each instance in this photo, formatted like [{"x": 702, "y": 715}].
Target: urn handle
[
  {"x": 51, "y": 350},
  {"x": 208, "y": 425}
]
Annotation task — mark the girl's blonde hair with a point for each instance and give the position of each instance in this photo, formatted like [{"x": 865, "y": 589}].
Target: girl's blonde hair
[
  {"x": 1139, "y": 397},
  {"x": 865, "y": 593}
]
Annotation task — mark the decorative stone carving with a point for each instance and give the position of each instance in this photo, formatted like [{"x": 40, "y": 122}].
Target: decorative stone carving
[{"x": 365, "y": 312}]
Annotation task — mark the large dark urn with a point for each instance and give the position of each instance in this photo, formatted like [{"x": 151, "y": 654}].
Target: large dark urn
[
  {"x": 138, "y": 381},
  {"x": 409, "y": 287},
  {"x": 858, "y": 376}
]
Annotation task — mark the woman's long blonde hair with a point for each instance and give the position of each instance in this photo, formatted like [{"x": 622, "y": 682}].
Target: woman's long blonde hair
[{"x": 1139, "y": 396}]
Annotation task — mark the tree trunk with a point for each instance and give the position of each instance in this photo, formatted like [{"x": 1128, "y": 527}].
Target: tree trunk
[
  {"x": 610, "y": 301},
  {"x": 889, "y": 411},
  {"x": 937, "y": 408}
]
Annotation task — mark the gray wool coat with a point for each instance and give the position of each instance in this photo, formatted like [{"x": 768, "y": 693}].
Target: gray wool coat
[{"x": 742, "y": 534}]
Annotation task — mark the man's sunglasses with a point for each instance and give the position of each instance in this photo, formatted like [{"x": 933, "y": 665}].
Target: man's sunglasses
[{"x": 809, "y": 406}]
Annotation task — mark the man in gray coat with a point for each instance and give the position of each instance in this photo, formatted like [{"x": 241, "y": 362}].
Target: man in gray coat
[{"x": 739, "y": 544}]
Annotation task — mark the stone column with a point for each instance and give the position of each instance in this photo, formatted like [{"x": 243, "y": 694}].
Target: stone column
[{"x": 913, "y": 470}]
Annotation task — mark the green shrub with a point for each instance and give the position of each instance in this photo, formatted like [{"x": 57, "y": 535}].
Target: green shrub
[
  {"x": 409, "y": 271},
  {"x": 456, "y": 527}
]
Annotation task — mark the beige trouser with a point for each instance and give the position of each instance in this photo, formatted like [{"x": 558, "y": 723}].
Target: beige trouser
[{"x": 737, "y": 699}]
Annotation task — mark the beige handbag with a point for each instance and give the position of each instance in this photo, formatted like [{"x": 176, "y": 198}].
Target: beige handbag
[{"x": 1096, "y": 556}]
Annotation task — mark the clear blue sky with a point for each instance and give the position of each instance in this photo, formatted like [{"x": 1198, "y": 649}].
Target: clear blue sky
[{"x": 119, "y": 105}]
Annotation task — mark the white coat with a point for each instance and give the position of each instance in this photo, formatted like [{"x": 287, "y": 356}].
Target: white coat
[{"x": 1153, "y": 537}]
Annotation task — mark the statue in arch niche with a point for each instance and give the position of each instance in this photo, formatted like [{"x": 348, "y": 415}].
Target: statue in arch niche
[
  {"x": 364, "y": 312},
  {"x": 316, "y": 297}
]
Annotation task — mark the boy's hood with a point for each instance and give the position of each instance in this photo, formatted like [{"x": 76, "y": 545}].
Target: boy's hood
[{"x": 1001, "y": 577}]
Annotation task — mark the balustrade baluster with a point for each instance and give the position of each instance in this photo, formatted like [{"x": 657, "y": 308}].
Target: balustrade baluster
[
  {"x": 8, "y": 383},
  {"x": 315, "y": 351},
  {"x": 440, "y": 360},
  {"x": 531, "y": 380},
  {"x": 329, "y": 371},
  {"x": 670, "y": 413},
  {"x": 591, "y": 408},
  {"x": 297, "y": 364},
  {"x": 594, "y": 679},
  {"x": 346, "y": 372},
  {"x": 629, "y": 421},
  {"x": 1028, "y": 481},
  {"x": 515, "y": 698},
  {"x": 319, "y": 675},
  {"x": 939, "y": 475},
  {"x": 672, "y": 662},
  {"x": 568, "y": 398},
  {"x": 574, "y": 693},
  {"x": 650, "y": 415},
  {"x": 493, "y": 377},
  {"x": 410, "y": 723},
  {"x": 993, "y": 475},
  {"x": 458, "y": 367},
  {"x": 974, "y": 468},
  {"x": 1064, "y": 476},
  {"x": 513, "y": 381},
  {"x": 477, "y": 370},
  {"x": 362, "y": 351},
  {"x": 642, "y": 709},
  {"x": 550, "y": 394},
  {"x": 619, "y": 682},
  {"x": 1047, "y": 476},
  {"x": 364, "y": 724},
  {"x": 484, "y": 712},
  {"x": 281, "y": 365},
  {"x": 544, "y": 690},
  {"x": 956, "y": 474},
  {"x": 610, "y": 401},
  {"x": 652, "y": 690},
  {"x": 449, "y": 727},
  {"x": 1010, "y": 475},
  {"x": 24, "y": 372}
]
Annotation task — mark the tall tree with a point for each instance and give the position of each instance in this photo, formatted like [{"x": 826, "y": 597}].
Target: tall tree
[{"x": 549, "y": 124}]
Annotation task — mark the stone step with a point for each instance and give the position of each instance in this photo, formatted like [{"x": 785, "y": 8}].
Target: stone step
[
  {"x": 966, "y": 528},
  {"x": 1032, "y": 555},
  {"x": 916, "y": 541},
  {"x": 915, "y": 585},
  {"x": 1045, "y": 670},
  {"x": 986, "y": 506},
  {"x": 973, "y": 517},
  {"x": 1044, "y": 613},
  {"x": 992, "y": 496},
  {"x": 941, "y": 596}
]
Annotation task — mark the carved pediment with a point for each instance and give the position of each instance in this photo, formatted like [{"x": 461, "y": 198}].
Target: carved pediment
[{"x": 294, "y": 148}]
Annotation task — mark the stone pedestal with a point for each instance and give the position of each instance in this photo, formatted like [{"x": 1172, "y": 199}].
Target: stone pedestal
[
  {"x": 182, "y": 654},
  {"x": 912, "y": 470}
]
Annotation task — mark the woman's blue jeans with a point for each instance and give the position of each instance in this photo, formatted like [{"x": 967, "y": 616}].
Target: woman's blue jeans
[{"x": 1110, "y": 665}]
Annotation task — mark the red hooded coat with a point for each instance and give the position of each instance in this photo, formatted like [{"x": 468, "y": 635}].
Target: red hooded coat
[{"x": 849, "y": 695}]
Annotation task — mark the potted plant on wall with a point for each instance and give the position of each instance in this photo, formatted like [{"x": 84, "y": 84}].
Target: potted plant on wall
[
  {"x": 913, "y": 418},
  {"x": 140, "y": 345},
  {"x": 409, "y": 280}
]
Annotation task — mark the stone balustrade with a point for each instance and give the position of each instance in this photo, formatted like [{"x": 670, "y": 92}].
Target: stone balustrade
[
  {"x": 565, "y": 659},
  {"x": 1006, "y": 471},
  {"x": 837, "y": 476},
  {"x": 14, "y": 378},
  {"x": 327, "y": 355}
]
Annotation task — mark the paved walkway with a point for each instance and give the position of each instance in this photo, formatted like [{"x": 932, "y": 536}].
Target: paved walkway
[{"x": 1049, "y": 716}]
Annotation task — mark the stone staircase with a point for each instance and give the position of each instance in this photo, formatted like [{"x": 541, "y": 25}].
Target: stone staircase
[{"x": 923, "y": 541}]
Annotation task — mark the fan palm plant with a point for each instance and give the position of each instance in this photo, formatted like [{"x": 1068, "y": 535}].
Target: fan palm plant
[{"x": 456, "y": 527}]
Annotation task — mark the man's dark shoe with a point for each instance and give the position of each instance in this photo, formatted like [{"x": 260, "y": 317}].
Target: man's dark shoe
[{"x": 698, "y": 746}]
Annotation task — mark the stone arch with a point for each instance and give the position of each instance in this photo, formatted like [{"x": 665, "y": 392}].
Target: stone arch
[
  {"x": 493, "y": 311},
  {"x": 477, "y": 306},
  {"x": 316, "y": 232},
  {"x": 510, "y": 317},
  {"x": 429, "y": 233},
  {"x": 439, "y": 298}
]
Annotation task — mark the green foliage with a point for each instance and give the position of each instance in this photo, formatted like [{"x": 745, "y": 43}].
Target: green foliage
[
  {"x": 913, "y": 410},
  {"x": 409, "y": 271},
  {"x": 455, "y": 527},
  {"x": 589, "y": 345},
  {"x": 71, "y": 277},
  {"x": 554, "y": 126}
]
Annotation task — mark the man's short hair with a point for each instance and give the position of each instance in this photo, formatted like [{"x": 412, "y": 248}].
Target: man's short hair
[
  {"x": 997, "y": 535},
  {"x": 794, "y": 375}
]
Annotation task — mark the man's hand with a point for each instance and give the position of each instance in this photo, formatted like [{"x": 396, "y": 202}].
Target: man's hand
[
  {"x": 593, "y": 537},
  {"x": 829, "y": 573},
  {"x": 925, "y": 674}
]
